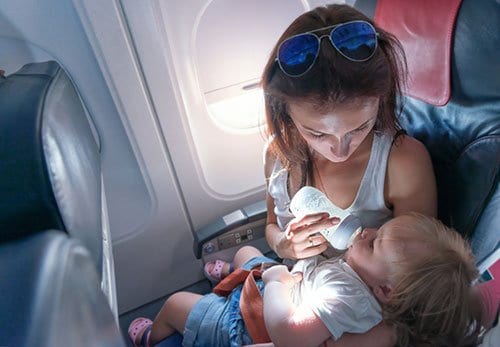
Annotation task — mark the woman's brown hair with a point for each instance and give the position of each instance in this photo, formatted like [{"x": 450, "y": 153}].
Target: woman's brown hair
[
  {"x": 332, "y": 80},
  {"x": 432, "y": 302}
]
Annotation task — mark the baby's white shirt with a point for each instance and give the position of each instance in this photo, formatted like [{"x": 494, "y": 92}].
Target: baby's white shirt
[{"x": 337, "y": 295}]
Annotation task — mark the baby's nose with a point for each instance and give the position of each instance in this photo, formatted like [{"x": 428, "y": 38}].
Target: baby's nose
[{"x": 368, "y": 232}]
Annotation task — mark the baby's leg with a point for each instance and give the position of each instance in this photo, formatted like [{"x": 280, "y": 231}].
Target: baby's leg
[
  {"x": 244, "y": 254},
  {"x": 173, "y": 315}
]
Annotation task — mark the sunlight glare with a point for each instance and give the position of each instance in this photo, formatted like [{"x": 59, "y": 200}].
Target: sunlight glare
[
  {"x": 313, "y": 301},
  {"x": 242, "y": 113}
]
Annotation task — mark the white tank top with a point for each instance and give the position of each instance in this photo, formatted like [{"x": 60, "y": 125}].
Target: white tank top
[{"x": 368, "y": 205}]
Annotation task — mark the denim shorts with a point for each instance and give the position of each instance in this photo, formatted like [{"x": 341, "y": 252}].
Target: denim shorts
[{"x": 216, "y": 320}]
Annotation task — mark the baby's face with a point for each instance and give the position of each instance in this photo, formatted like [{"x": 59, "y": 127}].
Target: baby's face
[{"x": 375, "y": 252}]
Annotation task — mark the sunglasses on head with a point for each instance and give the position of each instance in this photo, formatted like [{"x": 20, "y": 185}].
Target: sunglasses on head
[{"x": 355, "y": 40}]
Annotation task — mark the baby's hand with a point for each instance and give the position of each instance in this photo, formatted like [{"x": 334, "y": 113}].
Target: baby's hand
[{"x": 280, "y": 273}]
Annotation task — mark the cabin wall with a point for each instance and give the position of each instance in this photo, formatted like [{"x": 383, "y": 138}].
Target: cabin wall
[{"x": 150, "y": 74}]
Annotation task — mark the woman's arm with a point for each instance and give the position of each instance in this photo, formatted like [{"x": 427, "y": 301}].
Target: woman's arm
[
  {"x": 287, "y": 324},
  {"x": 410, "y": 182},
  {"x": 380, "y": 335},
  {"x": 274, "y": 236}
]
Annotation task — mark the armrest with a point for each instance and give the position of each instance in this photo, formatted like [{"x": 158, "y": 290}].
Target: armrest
[{"x": 233, "y": 229}]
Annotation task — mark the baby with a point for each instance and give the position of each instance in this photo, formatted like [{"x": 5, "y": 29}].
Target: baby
[{"x": 414, "y": 273}]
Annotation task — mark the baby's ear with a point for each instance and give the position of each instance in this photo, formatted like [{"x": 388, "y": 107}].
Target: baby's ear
[{"x": 383, "y": 293}]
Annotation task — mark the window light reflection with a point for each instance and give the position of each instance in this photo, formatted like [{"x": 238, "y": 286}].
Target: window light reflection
[{"x": 243, "y": 113}]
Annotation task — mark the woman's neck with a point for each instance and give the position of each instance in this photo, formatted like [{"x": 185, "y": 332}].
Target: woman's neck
[
  {"x": 360, "y": 153},
  {"x": 341, "y": 181}
]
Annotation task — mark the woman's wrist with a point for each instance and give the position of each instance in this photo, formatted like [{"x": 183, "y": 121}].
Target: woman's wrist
[
  {"x": 274, "y": 237},
  {"x": 278, "y": 245}
]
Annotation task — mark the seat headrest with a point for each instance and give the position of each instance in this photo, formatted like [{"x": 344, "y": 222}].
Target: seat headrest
[
  {"x": 475, "y": 64},
  {"x": 442, "y": 64},
  {"x": 50, "y": 175},
  {"x": 417, "y": 22}
]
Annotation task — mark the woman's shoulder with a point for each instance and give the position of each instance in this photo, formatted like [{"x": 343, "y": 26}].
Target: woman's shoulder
[
  {"x": 407, "y": 150},
  {"x": 410, "y": 181}
]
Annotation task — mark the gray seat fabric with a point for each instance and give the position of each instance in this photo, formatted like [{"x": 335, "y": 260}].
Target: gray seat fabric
[
  {"x": 50, "y": 168},
  {"x": 51, "y": 295},
  {"x": 58, "y": 285}
]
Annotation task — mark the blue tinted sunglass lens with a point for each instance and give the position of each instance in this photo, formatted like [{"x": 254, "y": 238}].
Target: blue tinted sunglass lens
[
  {"x": 297, "y": 54},
  {"x": 356, "y": 40}
]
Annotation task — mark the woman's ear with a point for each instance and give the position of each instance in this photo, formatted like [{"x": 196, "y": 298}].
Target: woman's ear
[{"x": 382, "y": 293}]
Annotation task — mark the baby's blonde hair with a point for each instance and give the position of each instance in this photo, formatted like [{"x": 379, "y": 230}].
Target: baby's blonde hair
[{"x": 432, "y": 303}]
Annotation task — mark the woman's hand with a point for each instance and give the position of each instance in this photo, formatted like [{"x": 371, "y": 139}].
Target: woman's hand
[{"x": 302, "y": 239}]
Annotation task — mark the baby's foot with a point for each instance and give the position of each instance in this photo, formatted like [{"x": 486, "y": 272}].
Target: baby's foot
[
  {"x": 139, "y": 331},
  {"x": 215, "y": 271}
]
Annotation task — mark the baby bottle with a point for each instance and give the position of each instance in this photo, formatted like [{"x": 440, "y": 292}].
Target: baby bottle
[{"x": 310, "y": 200}]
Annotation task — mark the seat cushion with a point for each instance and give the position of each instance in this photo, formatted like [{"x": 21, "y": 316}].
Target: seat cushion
[{"x": 51, "y": 295}]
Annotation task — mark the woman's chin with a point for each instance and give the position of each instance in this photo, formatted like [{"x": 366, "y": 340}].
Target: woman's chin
[{"x": 336, "y": 159}]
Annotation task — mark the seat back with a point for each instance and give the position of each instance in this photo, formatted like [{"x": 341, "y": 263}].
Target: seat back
[
  {"x": 50, "y": 168},
  {"x": 56, "y": 284},
  {"x": 459, "y": 120}
]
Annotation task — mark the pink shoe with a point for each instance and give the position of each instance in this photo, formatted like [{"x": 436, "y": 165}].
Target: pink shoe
[
  {"x": 139, "y": 331},
  {"x": 213, "y": 270}
]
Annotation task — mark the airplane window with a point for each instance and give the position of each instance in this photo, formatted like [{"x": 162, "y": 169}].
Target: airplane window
[{"x": 218, "y": 50}]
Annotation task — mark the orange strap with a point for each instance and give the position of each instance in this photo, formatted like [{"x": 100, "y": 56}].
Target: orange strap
[
  {"x": 251, "y": 302},
  {"x": 231, "y": 281}
]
